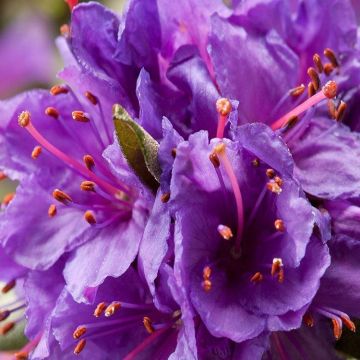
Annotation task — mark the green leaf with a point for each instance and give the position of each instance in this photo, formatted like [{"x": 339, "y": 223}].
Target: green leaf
[{"x": 138, "y": 146}]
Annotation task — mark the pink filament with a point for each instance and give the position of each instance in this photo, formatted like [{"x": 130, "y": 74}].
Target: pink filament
[
  {"x": 238, "y": 197},
  {"x": 71, "y": 162},
  {"x": 299, "y": 110},
  {"x": 221, "y": 126}
]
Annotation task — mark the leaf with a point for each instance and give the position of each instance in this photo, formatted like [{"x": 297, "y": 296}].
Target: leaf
[{"x": 138, "y": 146}]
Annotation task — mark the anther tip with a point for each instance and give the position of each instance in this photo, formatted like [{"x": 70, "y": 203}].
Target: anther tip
[
  {"x": 330, "y": 89},
  {"x": 24, "y": 118},
  {"x": 223, "y": 106},
  {"x": 219, "y": 148}
]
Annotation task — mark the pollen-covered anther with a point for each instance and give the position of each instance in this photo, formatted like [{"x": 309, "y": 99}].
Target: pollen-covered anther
[
  {"x": 87, "y": 186},
  {"x": 311, "y": 90},
  {"x": 328, "y": 69},
  {"x": 219, "y": 148},
  {"x": 65, "y": 30},
  {"x": 4, "y": 314},
  {"x": 24, "y": 118},
  {"x": 173, "y": 152},
  {"x": 329, "y": 89},
  {"x": 270, "y": 173},
  {"x": 257, "y": 277},
  {"x": 340, "y": 111},
  {"x": 90, "y": 217},
  {"x": 80, "y": 116},
  {"x": 279, "y": 225},
  {"x": 52, "y": 210},
  {"x": 7, "y": 328},
  {"x": 207, "y": 272},
  {"x": 318, "y": 63},
  {"x": 255, "y": 162},
  {"x": 100, "y": 308},
  {"x": 308, "y": 320},
  {"x": 165, "y": 197},
  {"x": 148, "y": 325},
  {"x": 278, "y": 180},
  {"x": 21, "y": 355},
  {"x": 292, "y": 121},
  {"x": 112, "y": 308},
  {"x": 274, "y": 187},
  {"x": 91, "y": 97},
  {"x": 61, "y": 196},
  {"x": 80, "y": 347},
  {"x": 337, "y": 328},
  {"x": 348, "y": 323},
  {"x": 79, "y": 332},
  {"x": 89, "y": 161},
  {"x": 330, "y": 54},
  {"x": 277, "y": 265},
  {"x": 206, "y": 285},
  {"x": 332, "y": 109},
  {"x": 314, "y": 77},
  {"x": 223, "y": 106},
  {"x": 297, "y": 91},
  {"x": 8, "y": 198},
  {"x": 36, "y": 152},
  {"x": 8, "y": 287},
  {"x": 214, "y": 160},
  {"x": 51, "y": 111},
  {"x": 225, "y": 232},
  {"x": 59, "y": 89}
]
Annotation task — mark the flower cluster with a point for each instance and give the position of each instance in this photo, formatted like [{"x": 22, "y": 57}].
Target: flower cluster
[{"x": 192, "y": 189}]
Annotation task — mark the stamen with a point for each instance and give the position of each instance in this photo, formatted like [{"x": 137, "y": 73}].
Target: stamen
[
  {"x": 4, "y": 314},
  {"x": 348, "y": 323},
  {"x": 79, "y": 347},
  {"x": 337, "y": 328},
  {"x": 51, "y": 111},
  {"x": 9, "y": 286},
  {"x": 207, "y": 272},
  {"x": 52, "y": 210},
  {"x": 278, "y": 180},
  {"x": 340, "y": 111},
  {"x": 214, "y": 160},
  {"x": 8, "y": 198},
  {"x": 297, "y": 91},
  {"x": 65, "y": 30},
  {"x": 206, "y": 284},
  {"x": 291, "y": 123},
  {"x": 100, "y": 309},
  {"x": 277, "y": 269},
  {"x": 257, "y": 277},
  {"x": 112, "y": 308},
  {"x": 332, "y": 109},
  {"x": 274, "y": 187},
  {"x": 315, "y": 80},
  {"x": 255, "y": 162},
  {"x": 279, "y": 225},
  {"x": 148, "y": 325},
  {"x": 61, "y": 196},
  {"x": 7, "y": 328},
  {"x": 22, "y": 355},
  {"x": 270, "y": 173},
  {"x": 90, "y": 218},
  {"x": 87, "y": 186},
  {"x": 220, "y": 150},
  {"x": 79, "y": 332},
  {"x": 223, "y": 107},
  {"x": 89, "y": 161},
  {"x": 311, "y": 90},
  {"x": 36, "y": 152},
  {"x": 59, "y": 89},
  {"x": 225, "y": 232},
  {"x": 318, "y": 64},
  {"x": 80, "y": 116},
  {"x": 308, "y": 319},
  {"x": 165, "y": 197},
  {"x": 328, "y": 69},
  {"x": 328, "y": 91},
  {"x": 173, "y": 153},
  {"x": 330, "y": 54},
  {"x": 24, "y": 120},
  {"x": 91, "y": 97}
]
